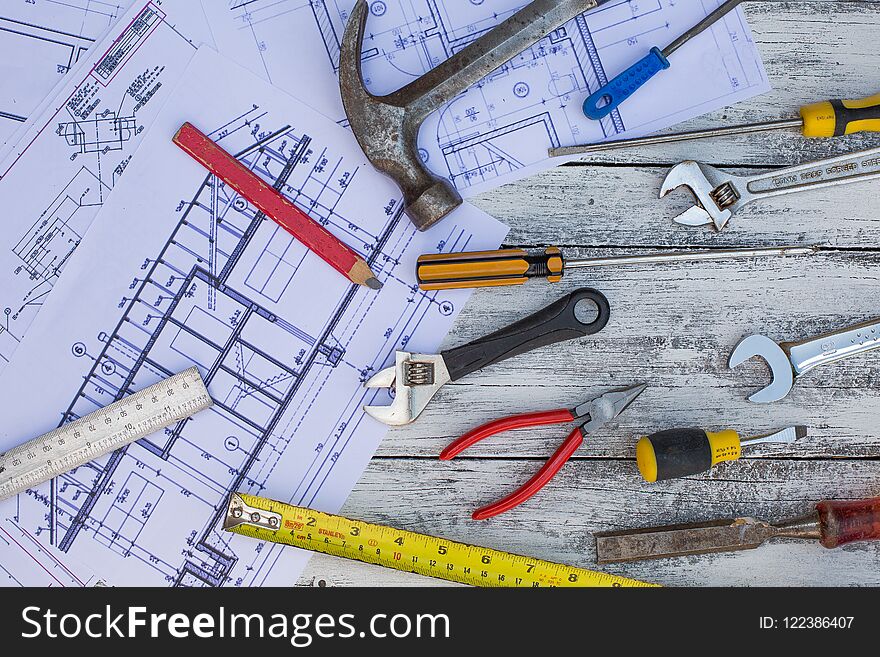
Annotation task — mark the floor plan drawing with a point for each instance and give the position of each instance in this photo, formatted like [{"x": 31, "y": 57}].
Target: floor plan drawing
[
  {"x": 39, "y": 43},
  {"x": 500, "y": 129},
  {"x": 58, "y": 175},
  {"x": 283, "y": 342}
]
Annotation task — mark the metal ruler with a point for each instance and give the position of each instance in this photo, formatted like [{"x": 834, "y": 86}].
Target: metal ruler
[
  {"x": 276, "y": 522},
  {"x": 103, "y": 431}
]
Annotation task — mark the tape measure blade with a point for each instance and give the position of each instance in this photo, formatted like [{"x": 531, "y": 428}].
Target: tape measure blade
[
  {"x": 102, "y": 431},
  {"x": 400, "y": 549}
]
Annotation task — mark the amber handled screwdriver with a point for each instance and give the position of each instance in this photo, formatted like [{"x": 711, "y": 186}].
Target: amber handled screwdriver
[
  {"x": 448, "y": 271},
  {"x": 834, "y": 523},
  {"x": 681, "y": 452},
  {"x": 829, "y": 118}
]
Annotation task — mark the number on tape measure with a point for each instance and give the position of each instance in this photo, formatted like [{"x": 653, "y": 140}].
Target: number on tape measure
[{"x": 276, "y": 522}]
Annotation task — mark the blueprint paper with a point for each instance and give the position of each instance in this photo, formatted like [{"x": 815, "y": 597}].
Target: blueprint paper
[
  {"x": 500, "y": 129},
  {"x": 58, "y": 175},
  {"x": 39, "y": 43},
  {"x": 24, "y": 561},
  {"x": 176, "y": 271}
]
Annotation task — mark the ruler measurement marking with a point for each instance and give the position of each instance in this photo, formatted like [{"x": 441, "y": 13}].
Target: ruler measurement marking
[{"x": 76, "y": 443}]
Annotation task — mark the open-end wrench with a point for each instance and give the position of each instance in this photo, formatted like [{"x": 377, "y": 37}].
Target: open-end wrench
[
  {"x": 719, "y": 195},
  {"x": 788, "y": 360},
  {"x": 416, "y": 378}
]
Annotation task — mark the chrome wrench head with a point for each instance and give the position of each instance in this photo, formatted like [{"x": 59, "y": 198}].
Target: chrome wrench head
[
  {"x": 777, "y": 359},
  {"x": 712, "y": 189},
  {"x": 416, "y": 378}
]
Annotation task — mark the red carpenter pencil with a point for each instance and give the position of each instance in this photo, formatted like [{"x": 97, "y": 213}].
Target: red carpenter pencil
[{"x": 275, "y": 206}]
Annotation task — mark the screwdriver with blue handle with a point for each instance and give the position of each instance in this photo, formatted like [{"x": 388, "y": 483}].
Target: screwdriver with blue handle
[
  {"x": 611, "y": 95},
  {"x": 682, "y": 452}
]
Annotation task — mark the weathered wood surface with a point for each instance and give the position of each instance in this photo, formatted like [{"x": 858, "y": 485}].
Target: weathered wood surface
[{"x": 672, "y": 326}]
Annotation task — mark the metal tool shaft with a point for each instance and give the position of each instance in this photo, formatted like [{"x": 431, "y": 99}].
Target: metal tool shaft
[
  {"x": 784, "y": 436},
  {"x": 700, "y": 538},
  {"x": 691, "y": 256},
  {"x": 653, "y": 140},
  {"x": 702, "y": 26}
]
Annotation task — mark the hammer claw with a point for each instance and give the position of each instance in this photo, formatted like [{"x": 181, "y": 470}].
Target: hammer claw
[{"x": 387, "y": 127}]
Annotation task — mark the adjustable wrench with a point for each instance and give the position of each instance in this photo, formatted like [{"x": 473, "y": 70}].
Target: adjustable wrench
[
  {"x": 719, "y": 195},
  {"x": 416, "y": 378},
  {"x": 788, "y": 360}
]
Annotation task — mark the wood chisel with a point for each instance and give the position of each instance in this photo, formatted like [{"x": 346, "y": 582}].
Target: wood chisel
[
  {"x": 431, "y": 556},
  {"x": 447, "y": 271},
  {"x": 609, "y": 97},
  {"x": 103, "y": 431},
  {"x": 681, "y": 452},
  {"x": 834, "y": 523},
  {"x": 825, "y": 119}
]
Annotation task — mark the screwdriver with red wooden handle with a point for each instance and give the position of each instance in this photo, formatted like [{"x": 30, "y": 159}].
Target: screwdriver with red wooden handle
[{"x": 833, "y": 523}]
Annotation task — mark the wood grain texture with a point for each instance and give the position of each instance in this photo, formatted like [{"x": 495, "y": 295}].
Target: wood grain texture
[{"x": 672, "y": 326}]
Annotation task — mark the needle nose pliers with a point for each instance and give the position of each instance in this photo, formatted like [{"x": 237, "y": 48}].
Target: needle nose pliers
[{"x": 591, "y": 415}]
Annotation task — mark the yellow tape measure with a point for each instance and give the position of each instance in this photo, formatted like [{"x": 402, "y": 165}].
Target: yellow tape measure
[{"x": 276, "y": 522}]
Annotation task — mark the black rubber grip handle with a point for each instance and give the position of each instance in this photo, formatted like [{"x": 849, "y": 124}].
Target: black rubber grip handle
[
  {"x": 681, "y": 452},
  {"x": 555, "y": 323}
]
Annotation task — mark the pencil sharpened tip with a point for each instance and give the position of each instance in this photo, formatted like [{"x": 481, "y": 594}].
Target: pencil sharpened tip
[{"x": 373, "y": 283}]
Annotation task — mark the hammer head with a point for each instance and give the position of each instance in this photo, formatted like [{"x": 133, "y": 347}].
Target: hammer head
[
  {"x": 387, "y": 129},
  {"x": 706, "y": 184},
  {"x": 781, "y": 369}
]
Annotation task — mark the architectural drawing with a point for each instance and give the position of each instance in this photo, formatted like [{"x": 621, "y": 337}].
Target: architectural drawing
[
  {"x": 39, "y": 43},
  {"x": 104, "y": 133},
  {"x": 283, "y": 342},
  {"x": 499, "y": 130},
  {"x": 57, "y": 177},
  {"x": 24, "y": 561}
]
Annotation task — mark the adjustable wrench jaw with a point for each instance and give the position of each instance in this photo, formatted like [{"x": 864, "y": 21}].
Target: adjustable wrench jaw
[
  {"x": 718, "y": 195},
  {"x": 778, "y": 360},
  {"x": 415, "y": 378}
]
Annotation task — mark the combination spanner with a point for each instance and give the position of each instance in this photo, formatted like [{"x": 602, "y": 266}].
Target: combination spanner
[
  {"x": 788, "y": 360},
  {"x": 719, "y": 195}
]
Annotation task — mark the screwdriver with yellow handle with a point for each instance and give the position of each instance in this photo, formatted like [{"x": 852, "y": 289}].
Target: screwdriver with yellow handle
[
  {"x": 682, "y": 452},
  {"x": 829, "y": 118},
  {"x": 448, "y": 271}
]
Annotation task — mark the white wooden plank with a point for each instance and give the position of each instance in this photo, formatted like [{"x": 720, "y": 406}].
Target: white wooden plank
[
  {"x": 674, "y": 328},
  {"x": 598, "y": 496},
  {"x": 620, "y": 206}
]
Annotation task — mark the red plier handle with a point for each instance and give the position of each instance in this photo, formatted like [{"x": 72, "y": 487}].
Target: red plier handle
[{"x": 544, "y": 475}]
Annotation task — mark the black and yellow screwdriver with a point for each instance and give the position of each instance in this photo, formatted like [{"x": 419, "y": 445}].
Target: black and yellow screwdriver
[
  {"x": 447, "y": 271},
  {"x": 682, "y": 452},
  {"x": 829, "y": 118}
]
